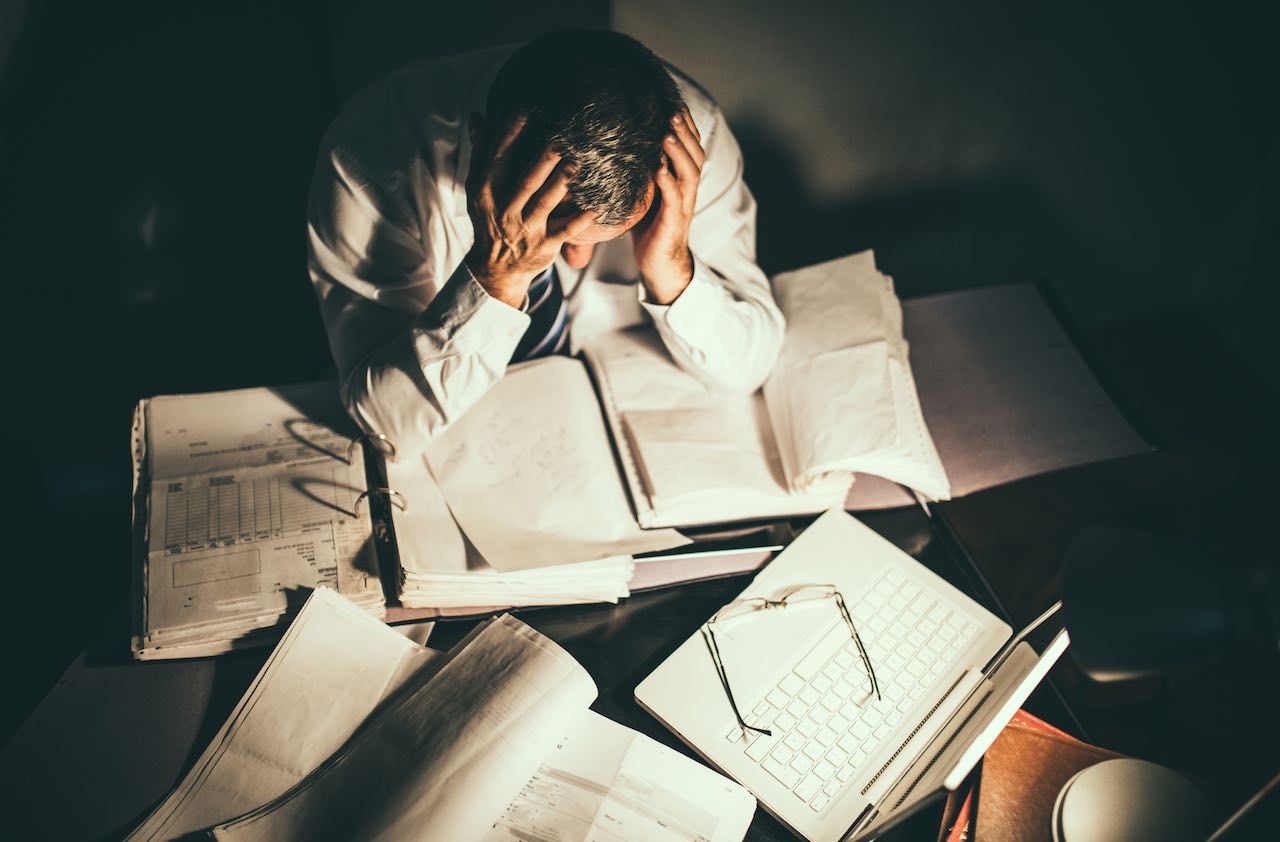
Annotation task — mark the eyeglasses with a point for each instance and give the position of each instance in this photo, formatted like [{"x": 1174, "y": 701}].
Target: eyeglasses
[{"x": 741, "y": 609}]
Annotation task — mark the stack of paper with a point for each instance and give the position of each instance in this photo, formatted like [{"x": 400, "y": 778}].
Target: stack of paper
[
  {"x": 352, "y": 732},
  {"x": 842, "y": 397},
  {"x": 244, "y": 501},
  {"x": 840, "y": 400},
  {"x": 528, "y": 477}
]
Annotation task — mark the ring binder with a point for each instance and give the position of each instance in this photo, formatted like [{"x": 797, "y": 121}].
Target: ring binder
[
  {"x": 391, "y": 494},
  {"x": 377, "y": 442}
]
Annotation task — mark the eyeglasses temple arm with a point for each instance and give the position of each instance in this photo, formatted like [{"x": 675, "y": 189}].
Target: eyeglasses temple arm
[
  {"x": 709, "y": 638},
  {"x": 857, "y": 641}
]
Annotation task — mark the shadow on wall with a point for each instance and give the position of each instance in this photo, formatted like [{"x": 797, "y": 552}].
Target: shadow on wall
[
  {"x": 930, "y": 238},
  {"x": 373, "y": 38},
  {"x": 1119, "y": 143}
]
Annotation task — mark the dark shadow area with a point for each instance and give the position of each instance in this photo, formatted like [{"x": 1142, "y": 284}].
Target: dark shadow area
[
  {"x": 154, "y": 165},
  {"x": 299, "y": 428}
]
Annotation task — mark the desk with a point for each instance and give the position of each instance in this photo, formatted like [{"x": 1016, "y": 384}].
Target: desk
[{"x": 114, "y": 736}]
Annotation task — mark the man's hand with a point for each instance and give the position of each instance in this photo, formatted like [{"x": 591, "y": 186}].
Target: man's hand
[
  {"x": 662, "y": 240},
  {"x": 515, "y": 240}
]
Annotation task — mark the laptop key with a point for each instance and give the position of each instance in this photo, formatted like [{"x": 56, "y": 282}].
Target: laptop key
[
  {"x": 819, "y": 801},
  {"x": 821, "y": 653},
  {"x": 791, "y": 684},
  {"x": 760, "y": 746},
  {"x": 808, "y": 787},
  {"x": 785, "y": 775}
]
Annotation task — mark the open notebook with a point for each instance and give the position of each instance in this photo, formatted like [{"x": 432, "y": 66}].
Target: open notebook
[
  {"x": 351, "y": 731},
  {"x": 841, "y": 400}
]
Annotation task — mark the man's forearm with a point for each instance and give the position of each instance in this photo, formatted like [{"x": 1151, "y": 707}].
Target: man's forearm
[
  {"x": 726, "y": 334},
  {"x": 424, "y": 375}
]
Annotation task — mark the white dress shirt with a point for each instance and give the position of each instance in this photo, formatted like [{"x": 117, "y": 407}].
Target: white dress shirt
[{"x": 417, "y": 340}]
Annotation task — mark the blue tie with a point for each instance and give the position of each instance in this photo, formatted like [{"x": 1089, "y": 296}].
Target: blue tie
[{"x": 548, "y": 331}]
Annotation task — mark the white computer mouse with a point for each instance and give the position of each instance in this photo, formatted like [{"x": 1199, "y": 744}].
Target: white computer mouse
[{"x": 1127, "y": 800}]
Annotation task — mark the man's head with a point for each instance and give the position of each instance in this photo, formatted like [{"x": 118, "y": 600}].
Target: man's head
[{"x": 605, "y": 102}]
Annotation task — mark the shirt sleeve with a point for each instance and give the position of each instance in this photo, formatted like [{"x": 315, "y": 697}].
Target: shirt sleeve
[
  {"x": 409, "y": 361},
  {"x": 725, "y": 327}
]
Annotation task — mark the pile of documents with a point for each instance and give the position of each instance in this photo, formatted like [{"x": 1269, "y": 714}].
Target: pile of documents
[
  {"x": 351, "y": 731},
  {"x": 244, "y": 501},
  {"x": 247, "y": 500},
  {"x": 841, "y": 400},
  {"x": 519, "y": 502}
]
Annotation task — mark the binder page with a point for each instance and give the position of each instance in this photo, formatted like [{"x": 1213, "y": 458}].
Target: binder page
[
  {"x": 329, "y": 671},
  {"x": 448, "y": 756},
  {"x": 530, "y": 478},
  {"x": 252, "y": 500},
  {"x": 440, "y": 571},
  {"x": 604, "y": 781}
]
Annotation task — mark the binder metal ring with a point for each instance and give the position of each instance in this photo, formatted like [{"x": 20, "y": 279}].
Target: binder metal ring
[
  {"x": 391, "y": 493},
  {"x": 380, "y": 443}
]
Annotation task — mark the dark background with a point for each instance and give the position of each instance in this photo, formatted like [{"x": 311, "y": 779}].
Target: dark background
[{"x": 154, "y": 160}]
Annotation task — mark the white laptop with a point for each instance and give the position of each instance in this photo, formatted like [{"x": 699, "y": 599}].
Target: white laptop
[{"x": 845, "y": 757}]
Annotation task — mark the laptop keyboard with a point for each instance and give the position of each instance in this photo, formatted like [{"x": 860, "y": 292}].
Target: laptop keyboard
[{"x": 825, "y": 719}]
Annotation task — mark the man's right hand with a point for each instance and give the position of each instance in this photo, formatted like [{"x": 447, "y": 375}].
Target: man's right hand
[{"x": 515, "y": 238}]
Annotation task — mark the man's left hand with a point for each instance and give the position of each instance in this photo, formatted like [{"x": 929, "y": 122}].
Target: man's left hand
[{"x": 662, "y": 240}]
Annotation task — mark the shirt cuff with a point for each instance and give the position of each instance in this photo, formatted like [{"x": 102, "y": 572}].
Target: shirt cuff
[
  {"x": 691, "y": 315},
  {"x": 464, "y": 318}
]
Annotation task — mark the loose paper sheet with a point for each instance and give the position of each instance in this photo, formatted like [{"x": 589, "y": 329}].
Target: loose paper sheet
[
  {"x": 604, "y": 781},
  {"x": 529, "y": 476},
  {"x": 448, "y": 755},
  {"x": 329, "y": 671}
]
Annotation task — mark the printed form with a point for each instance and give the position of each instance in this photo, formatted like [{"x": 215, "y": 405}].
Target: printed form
[
  {"x": 608, "y": 783},
  {"x": 238, "y": 522}
]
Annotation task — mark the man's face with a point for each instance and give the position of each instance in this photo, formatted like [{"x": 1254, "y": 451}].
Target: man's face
[{"x": 577, "y": 251}]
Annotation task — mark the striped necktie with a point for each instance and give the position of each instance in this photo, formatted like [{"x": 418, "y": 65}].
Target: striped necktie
[{"x": 548, "y": 331}]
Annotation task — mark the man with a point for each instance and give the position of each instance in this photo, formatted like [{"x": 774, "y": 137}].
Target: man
[{"x": 484, "y": 209}]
